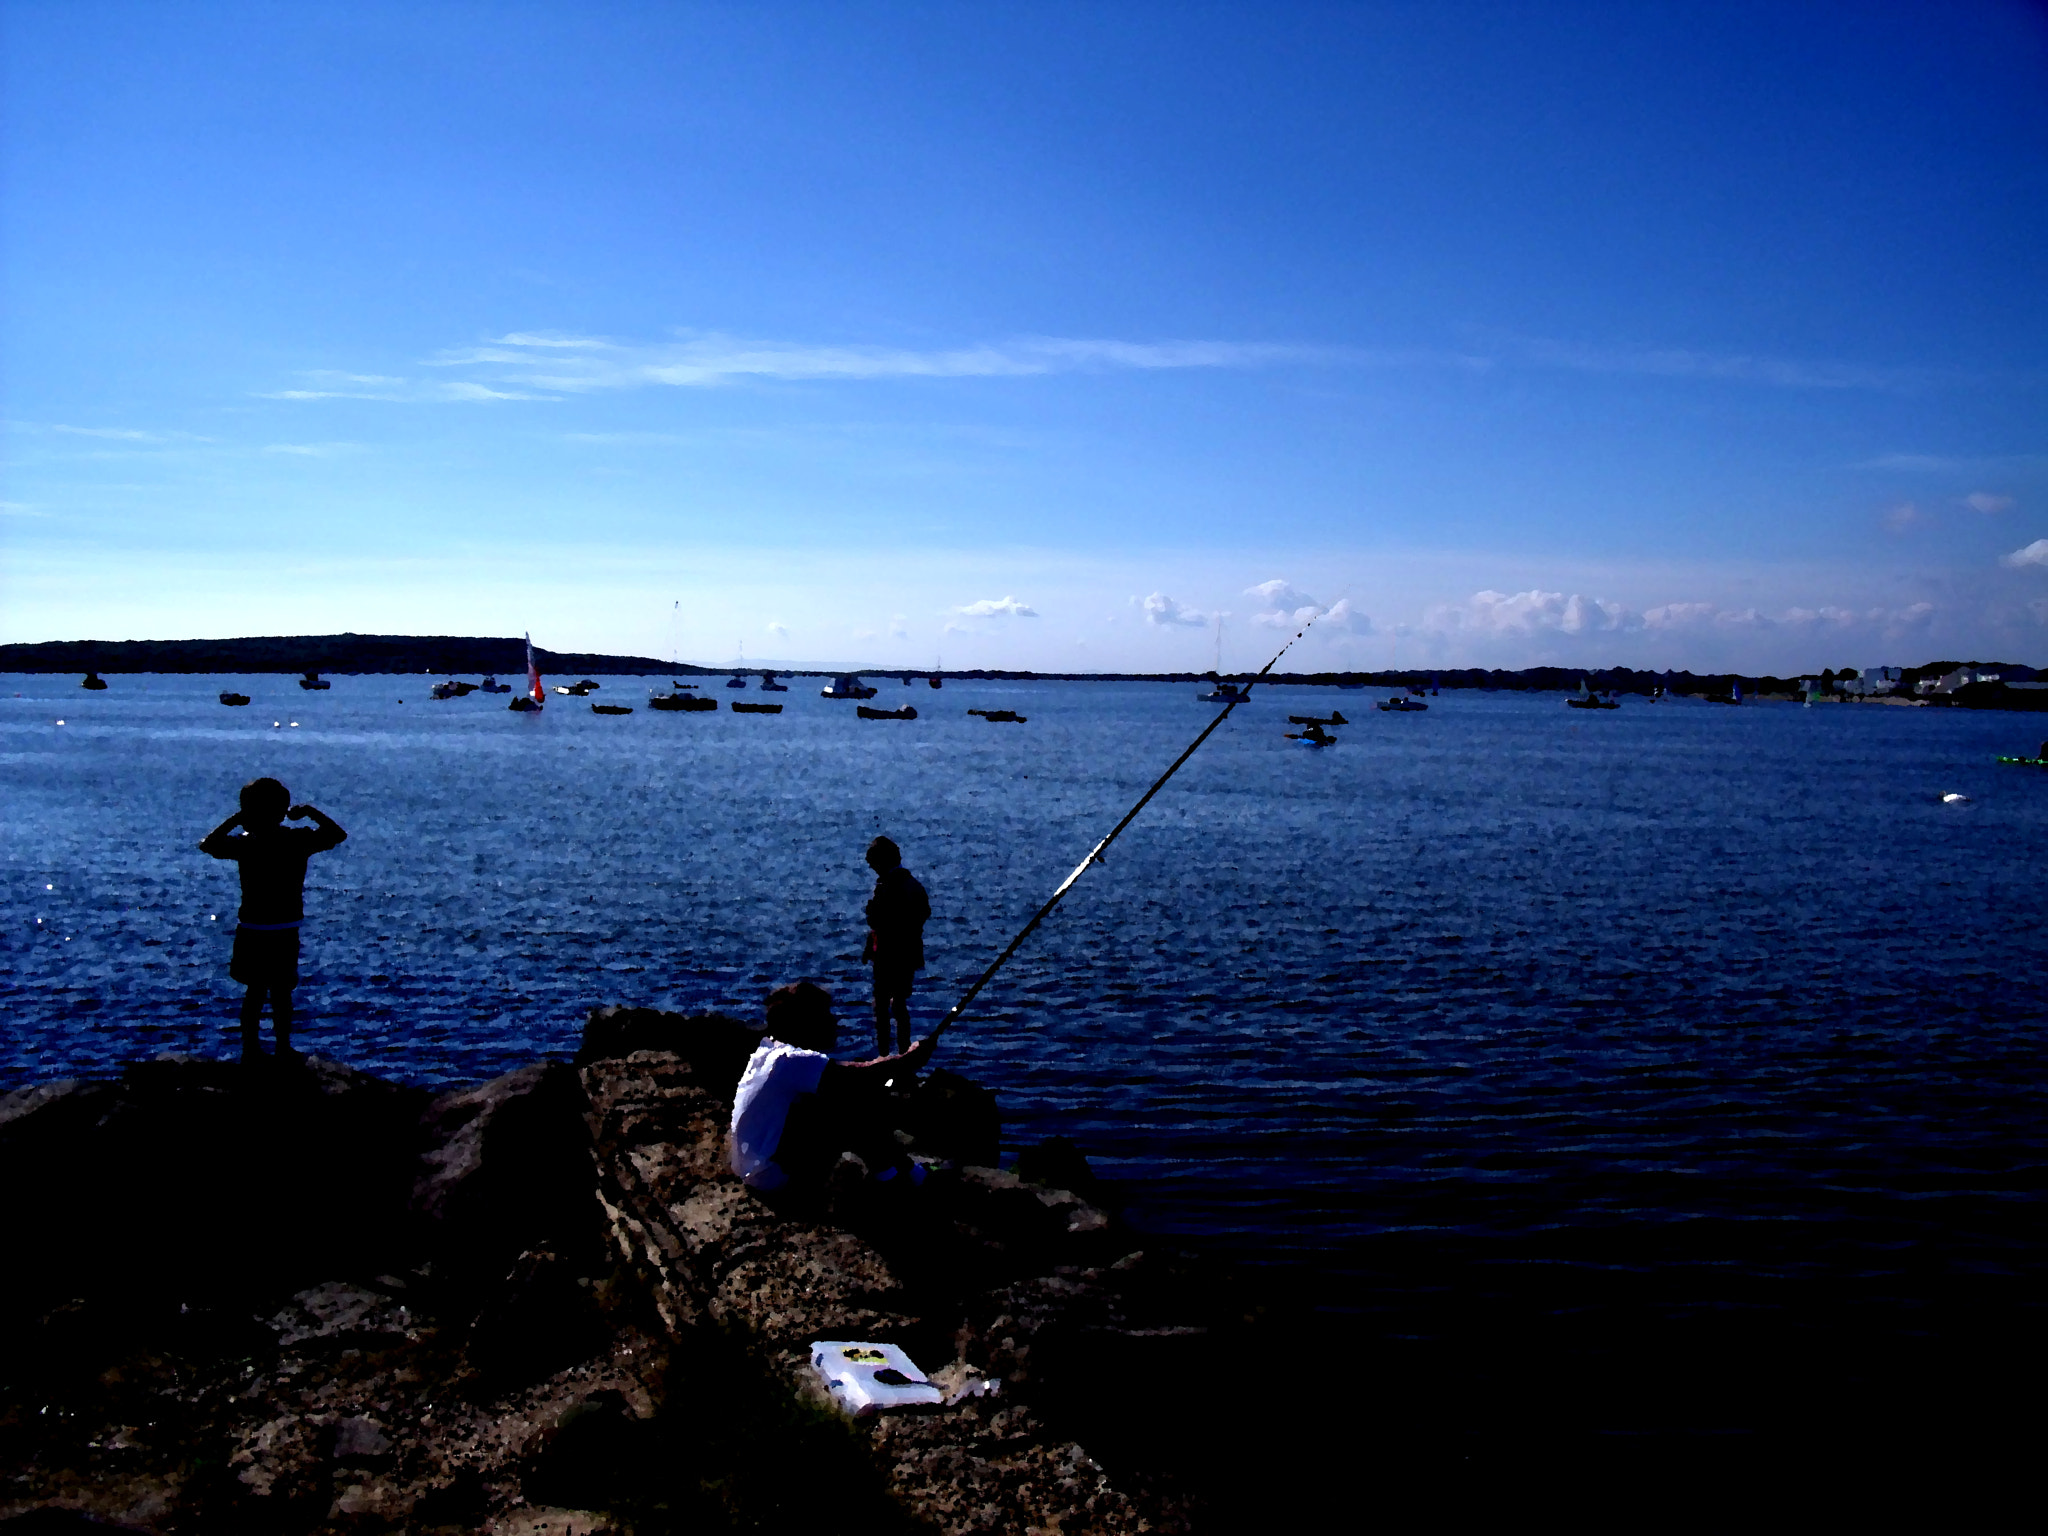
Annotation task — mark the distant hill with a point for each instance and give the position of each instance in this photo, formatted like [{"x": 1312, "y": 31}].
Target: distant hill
[
  {"x": 457, "y": 655},
  {"x": 447, "y": 654}
]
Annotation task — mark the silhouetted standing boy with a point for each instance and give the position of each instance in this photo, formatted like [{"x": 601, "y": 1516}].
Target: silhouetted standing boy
[
  {"x": 273, "y": 859},
  {"x": 896, "y": 917}
]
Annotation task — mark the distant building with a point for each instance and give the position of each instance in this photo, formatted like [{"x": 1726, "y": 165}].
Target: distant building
[
  {"x": 1952, "y": 682},
  {"x": 1871, "y": 682}
]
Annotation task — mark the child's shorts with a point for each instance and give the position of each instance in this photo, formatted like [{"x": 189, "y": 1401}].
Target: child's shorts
[
  {"x": 893, "y": 980},
  {"x": 266, "y": 957}
]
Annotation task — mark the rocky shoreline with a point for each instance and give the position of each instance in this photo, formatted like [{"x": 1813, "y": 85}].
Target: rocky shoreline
[{"x": 296, "y": 1297}]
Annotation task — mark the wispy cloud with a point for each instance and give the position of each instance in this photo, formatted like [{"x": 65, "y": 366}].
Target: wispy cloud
[
  {"x": 1902, "y": 517},
  {"x": 1727, "y": 367},
  {"x": 1521, "y": 615},
  {"x": 1952, "y": 464},
  {"x": 313, "y": 450},
  {"x": 327, "y": 384},
  {"x": 118, "y": 434},
  {"x": 990, "y": 607},
  {"x": 1986, "y": 502},
  {"x": 20, "y": 509},
  {"x": 582, "y": 364},
  {"x": 134, "y": 435}
]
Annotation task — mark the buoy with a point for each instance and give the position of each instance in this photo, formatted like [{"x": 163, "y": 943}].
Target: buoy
[{"x": 1955, "y": 799}]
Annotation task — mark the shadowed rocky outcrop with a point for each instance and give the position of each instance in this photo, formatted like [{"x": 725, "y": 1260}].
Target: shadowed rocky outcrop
[{"x": 299, "y": 1298}]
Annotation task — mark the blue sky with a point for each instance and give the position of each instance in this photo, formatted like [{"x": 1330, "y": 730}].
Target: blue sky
[{"x": 1033, "y": 335}]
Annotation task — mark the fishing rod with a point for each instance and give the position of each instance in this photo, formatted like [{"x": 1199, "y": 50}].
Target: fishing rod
[{"x": 1095, "y": 853}]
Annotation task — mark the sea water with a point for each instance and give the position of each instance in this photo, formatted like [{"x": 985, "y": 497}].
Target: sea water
[{"x": 1499, "y": 1014}]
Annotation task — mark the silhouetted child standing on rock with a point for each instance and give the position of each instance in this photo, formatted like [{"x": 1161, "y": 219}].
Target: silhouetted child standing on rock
[
  {"x": 273, "y": 859},
  {"x": 896, "y": 913}
]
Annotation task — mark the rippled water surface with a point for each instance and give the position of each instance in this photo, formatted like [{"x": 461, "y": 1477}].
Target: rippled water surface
[{"x": 1677, "y": 1010}]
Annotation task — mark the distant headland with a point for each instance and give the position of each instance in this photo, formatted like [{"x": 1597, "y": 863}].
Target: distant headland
[{"x": 1979, "y": 684}]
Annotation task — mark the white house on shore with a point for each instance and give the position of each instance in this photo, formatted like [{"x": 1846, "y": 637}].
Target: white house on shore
[{"x": 1950, "y": 682}]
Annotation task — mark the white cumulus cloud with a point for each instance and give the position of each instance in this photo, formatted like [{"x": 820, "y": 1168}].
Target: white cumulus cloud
[
  {"x": 2035, "y": 553},
  {"x": 988, "y": 607},
  {"x": 1161, "y": 609},
  {"x": 1287, "y": 606},
  {"x": 1343, "y": 618},
  {"x": 778, "y": 629},
  {"x": 1532, "y": 612}
]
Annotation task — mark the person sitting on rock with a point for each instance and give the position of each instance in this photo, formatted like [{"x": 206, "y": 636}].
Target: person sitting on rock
[
  {"x": 273, "y": 859},
  {"x": 796, "y": 1110},
  {"x": 896, "y": 914}
]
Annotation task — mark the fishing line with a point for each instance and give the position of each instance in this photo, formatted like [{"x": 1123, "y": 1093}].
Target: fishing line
[{"x": 1095, "y": 853}]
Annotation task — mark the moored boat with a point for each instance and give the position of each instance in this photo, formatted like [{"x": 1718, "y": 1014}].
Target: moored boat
[
  {"x": 314, "y": 682},
  {"x": 847, "y": 687},
  {"x": 743, "y": 707},
  {"x": 1334, "y": 717},
  {"x": 1000, "y": 716},
  {"x": 611, "y": 709},
  {"x": 451, "y": 689},
  {"x": 680, "y": 698},
  {"x": 94, "y": 683},
  {"x": 490, "y": 684},
  {"x": 769, "y": 685},
  {"x": 907, "y": 712},
  {"x": 1226, "y": 693},
  {"x": 227, "y": 697},
  {"x": 1399, "y": 705}
]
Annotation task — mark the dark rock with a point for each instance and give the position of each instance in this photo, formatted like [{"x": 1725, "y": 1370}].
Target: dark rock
[
  {"x": 340, "y": 1315},
  {"x": 191, "y": 1181},
  {"x": 950, "y": 1117},
  {"x": 358, "y": 1439},
  {"x": 542, "y": 1317},
  {"x": 1058, "y": 1164},
  {"x": 505, "y": 1168},
  {"x": 599, "y": 1454},
  {"x": 715, "y": 1046}
]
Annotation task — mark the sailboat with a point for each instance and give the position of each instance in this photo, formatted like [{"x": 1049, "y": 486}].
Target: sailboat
[
  {"x": 738, "y": 678},
  {"x": 535, "y": 697},
  {"x": 1224, "y": 692},
  {"x": 936, "y": 680},
  {"x": 1586, "y": 698}
]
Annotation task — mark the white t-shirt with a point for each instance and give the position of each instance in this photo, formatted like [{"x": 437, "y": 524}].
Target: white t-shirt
[{"x": 776, "y": 1074}]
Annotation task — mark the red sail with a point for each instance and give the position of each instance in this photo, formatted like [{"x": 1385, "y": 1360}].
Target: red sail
[{"x": 533, "y": 687}]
